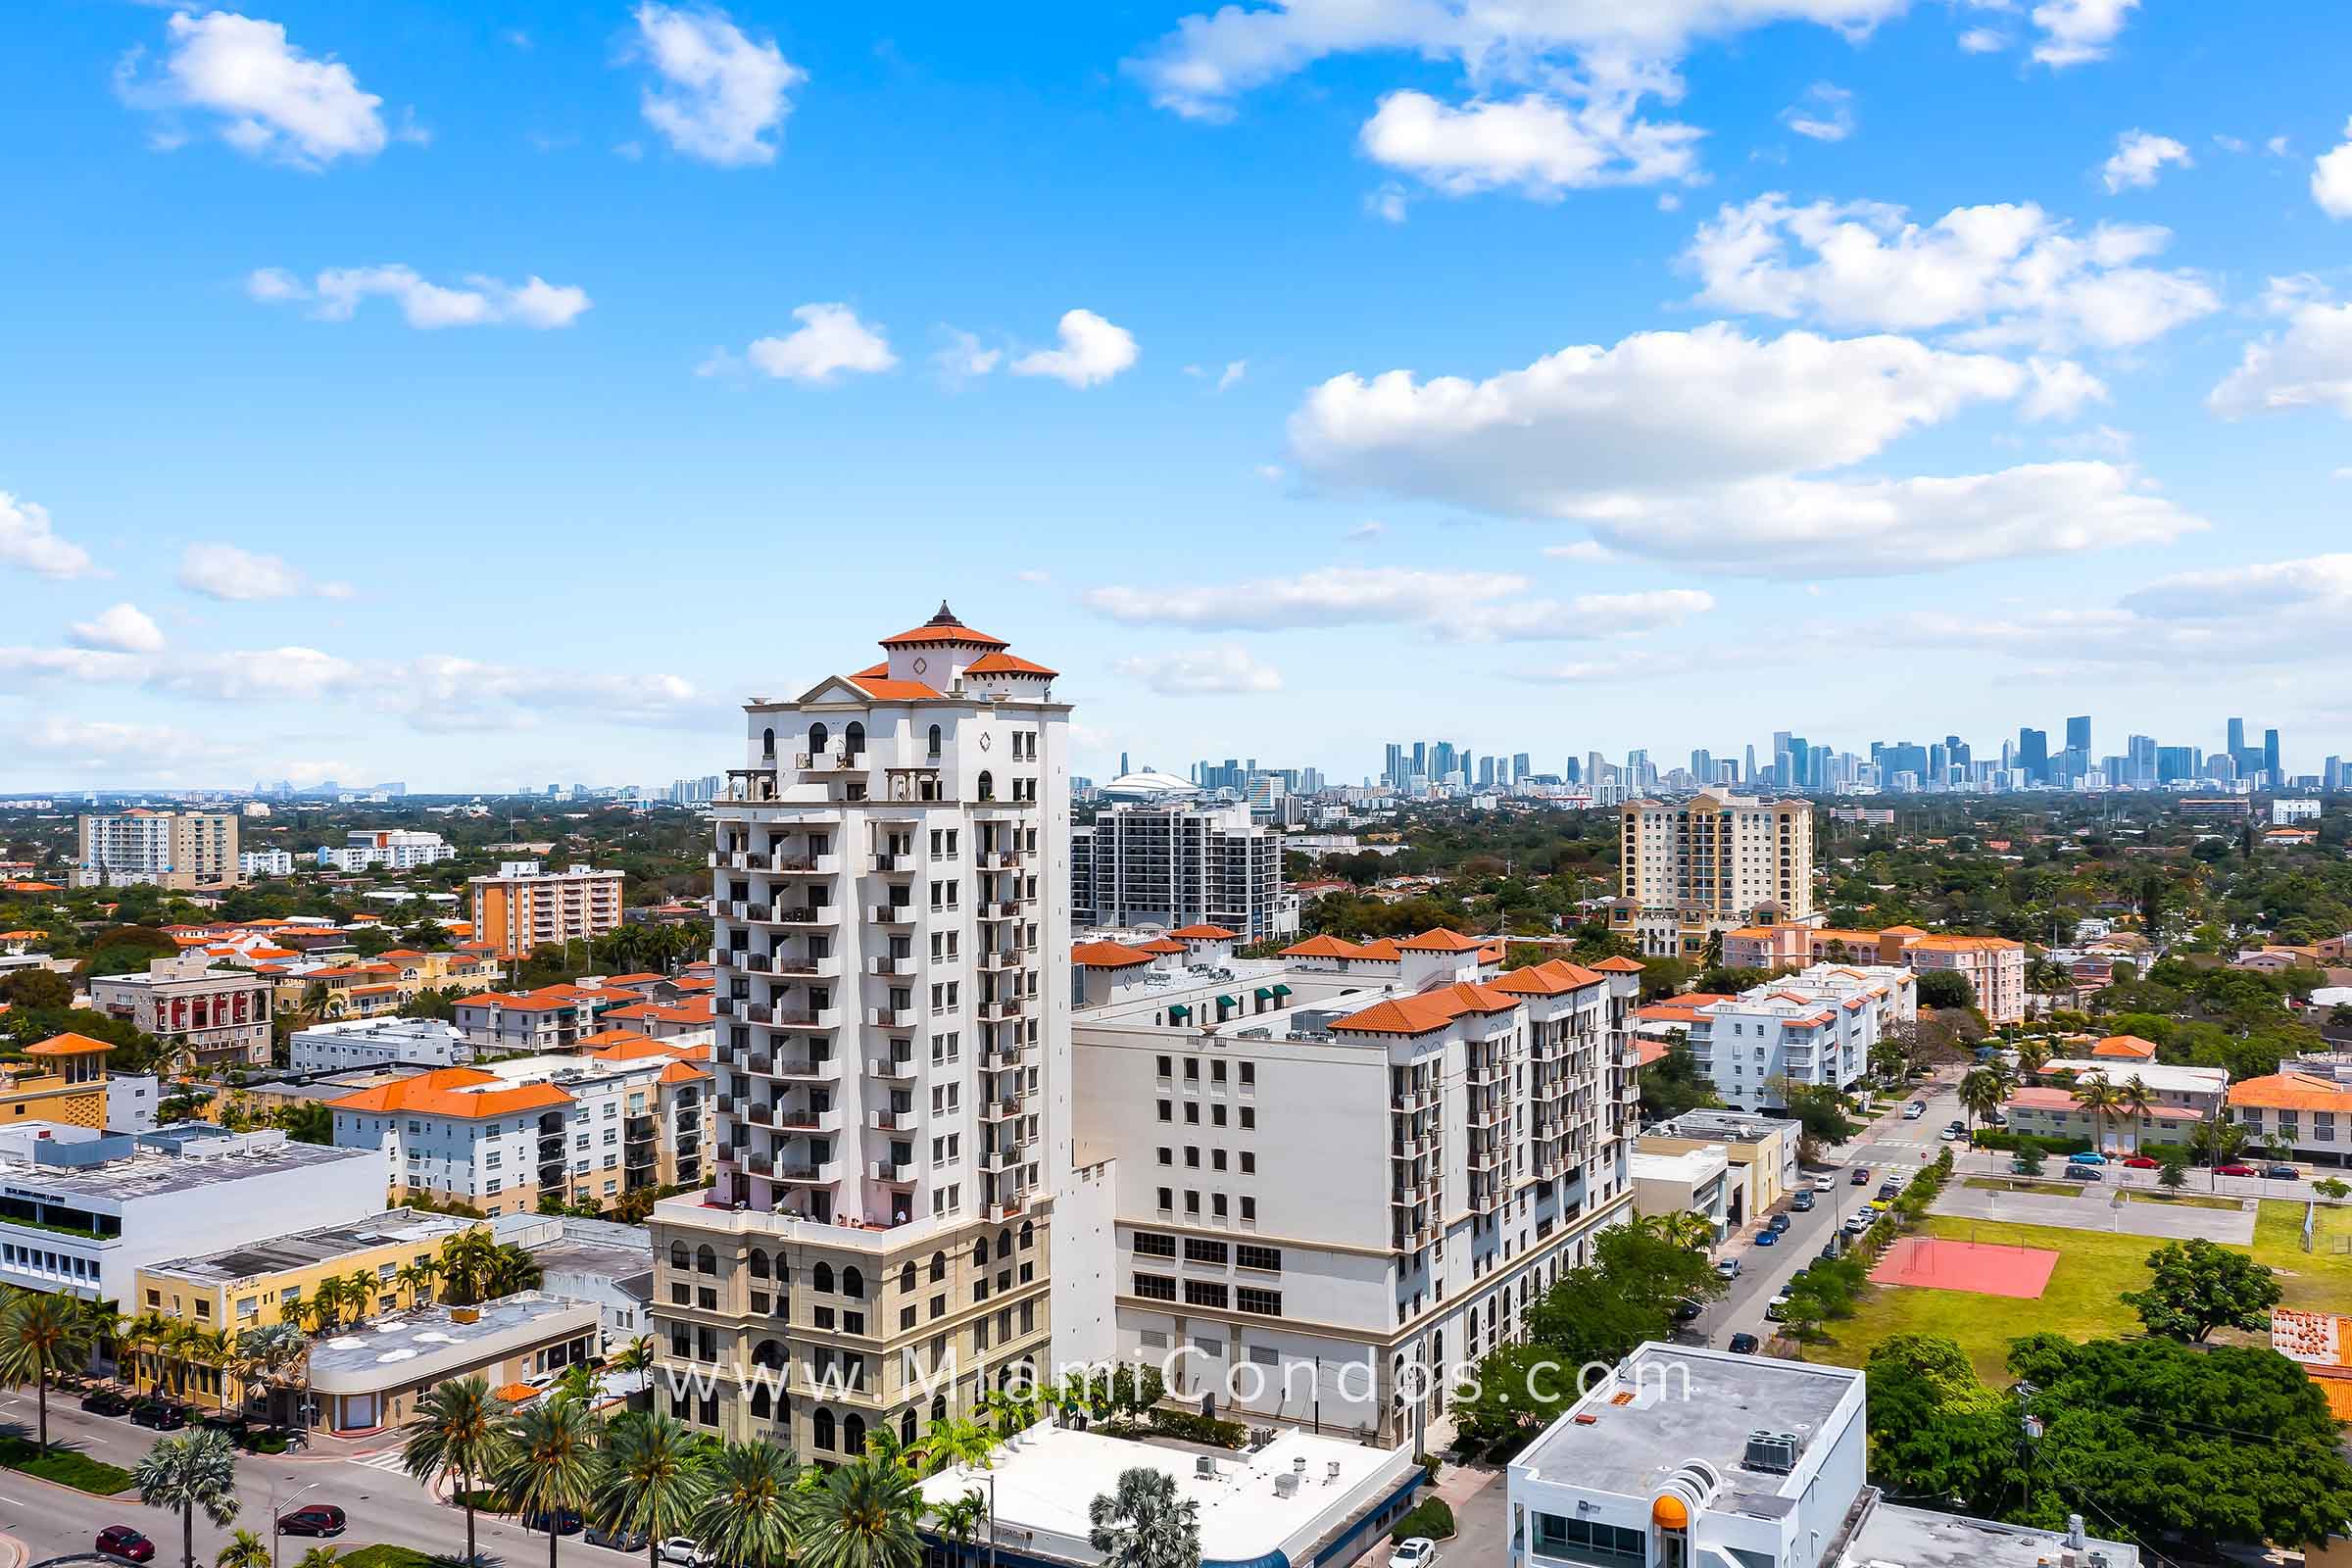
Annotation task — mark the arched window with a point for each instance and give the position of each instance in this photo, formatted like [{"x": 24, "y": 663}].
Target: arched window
[
  {"x": 705, "y": 1259},
  {"x": 767, "y": 744},
  {"x": 939, "y": 1268},
  {"x": 761, "y": 1404},
  {"x": 907, "y": 1427},
  {"x": 677, "y": 1255},
  {"x": 822, "y": 1278},
  {"x": 853, "y": 1434},
  {"x": 818, "y": 736},
  {"x": 852, "y": 1284},
  {"x": 769, "y": 1355},
  {"x": 821, "y": 1431},
  {"x": 935, "y": 742},
  {"x": 1028, "y": 1235},
  {"x": 1005, "y": 1243},
  {"x": 988, "y": 785},
  {"x": 759, "y": 1262},
  {"x": 906, "y": 1277},
  {"x": 939, "y": 1408},
  {"x": 980, "y": 1253},
  {"x": 852, "y": 739}
]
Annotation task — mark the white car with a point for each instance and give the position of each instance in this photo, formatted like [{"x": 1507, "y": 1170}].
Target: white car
[
  {"x": 1418, "y": 1553},
  {"x": 683, "y": 1551},
  {"x": 1825, "y": 1184}
]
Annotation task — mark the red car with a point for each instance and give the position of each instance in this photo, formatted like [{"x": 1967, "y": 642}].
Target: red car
[
  {"x": 2236, "y": 1170},
  {"x": 2142, "y": 1162},
  {"x": 125, "y": 1544}
]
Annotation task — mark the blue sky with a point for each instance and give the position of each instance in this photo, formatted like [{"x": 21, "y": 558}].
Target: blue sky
[{"x": 487, "y": 394}]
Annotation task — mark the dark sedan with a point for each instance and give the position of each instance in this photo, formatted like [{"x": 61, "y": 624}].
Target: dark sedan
[
  {"x": 160, "y": 1416},
  {"x": 126, "y": 1544},
  {"x": 312, "y": 1519}
]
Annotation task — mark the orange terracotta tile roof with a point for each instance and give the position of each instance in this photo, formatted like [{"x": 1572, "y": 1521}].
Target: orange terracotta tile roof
[
  {"x": 1163, "y": 946},
  {"x": 516, "y": 1393},
  {"x": 1107, "y": 955},
  {"x": 872, "y": 671},
  {"x": 1618, "y": 965},
  {"x": 533, "y": 1003},
  {"x": 1650, "y": 1050},
  {"x": 1969, "y": 945},
  {"x": 642, "y": 1048},
  {"x": 638, "y": 978},
  {"x": 688, "y": 1012},
  {"x": 2131, "y": 1046},
  {"x": 1438, "y": 940},
  {"x": 680, "y": 1072},
  {"x": 1001, "y": 663},
  {"x": 67, "y": 1045},
  {"x": 944, "y": 627},
  {"x": 895, "y": 691},
  {"x": 1426, "y": 1011},
  {"x": 452, "y": 1091},
  {"x": 611, "y": 1037},
  {"x": 1382, "y": 950},
  {"x": 1203, "y": 933},
  {"x": 1905, "y": 931},
  {"x": 2292, "y": 1090},
  {"x": 1324, "y": 945},
  {"x": 1547, "y": 979}
]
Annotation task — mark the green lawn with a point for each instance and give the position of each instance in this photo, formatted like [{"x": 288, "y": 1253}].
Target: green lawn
[
  {"x": 2083, "y": 1299},
  {"x": 389, "y": 1558},
  {"x": 66, "y": 1467},
  {"x": 2185, "y": 1200},
  {"x": 2005, "y": 1184}
]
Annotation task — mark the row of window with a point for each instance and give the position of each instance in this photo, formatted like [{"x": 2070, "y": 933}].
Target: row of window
[
  {"x": 1203, "y": 1249},
  {"x": 1210, "y": 1294},
  {"x": 1217, "y": 1115}
]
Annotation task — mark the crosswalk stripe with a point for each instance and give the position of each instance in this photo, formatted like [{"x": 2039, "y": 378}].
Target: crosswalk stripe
[{"x": 388, "y": 1461}]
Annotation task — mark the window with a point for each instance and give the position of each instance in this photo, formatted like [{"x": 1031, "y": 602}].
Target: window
[
  {"x": 1155, "y": 1287},
  {"x": 1252, "y": 1256},
  {"x": 1192, "y": 1115},
  {"x": 1197, "y": 1250},
  {"x": 1203, "y": 1292},
  {"x": 1166, "y": 1113},
  {"x": 1266, "y": 1303},
  {"x": 1249, "y": 1118},
  {"x": 1154, "y": 1243},
  {"x": 1248, "y": 1163},
  {"x": 1168, "y": 1198},
  {"x": 1191, "y": 1157},
  {"x": 1166, "y": 1155}
]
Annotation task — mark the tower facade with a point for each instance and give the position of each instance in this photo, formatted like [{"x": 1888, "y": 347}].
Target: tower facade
[{"x": 892, "y": 874}]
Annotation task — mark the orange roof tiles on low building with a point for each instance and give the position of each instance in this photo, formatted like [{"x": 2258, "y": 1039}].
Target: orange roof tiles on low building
[
  {"x": 1440, "y": 940},
  {"x": 1618, "y": 965},
  {"x": 680, "y": 1072},
  {"x": 67, "y": 1045},
  {"x": 1203, "y": 933},
  {"x": 452, "y": 1091},
  {"x": 1002, "y": 663},
  {"x": 1107, "y": 955},
  {"x": 1324, "y": 945},
  {"x": 2130, "y": 1046},
  {"x": 1426, "y": 1011},
  {"x": 1162, "y": 947},
  {"x": 1547, "y": 979},
  {"x": 2292, "y": 1090},
  {"x": 883, "y": 690},
  {"x": 944, "y": 627}
]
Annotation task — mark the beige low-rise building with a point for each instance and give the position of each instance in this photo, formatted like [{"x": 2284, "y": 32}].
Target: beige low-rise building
[
  {"x": 204, "y": 1016},
  {"x": 1698, "y": 1181},
  {"x": 1764, "y": 1148}
]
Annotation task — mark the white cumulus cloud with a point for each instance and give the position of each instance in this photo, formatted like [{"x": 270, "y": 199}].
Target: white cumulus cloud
[
  {"x": 263, "y": 96},
  {"x": 124, "y": 629},
  {"x": 2075, "y": 31},
  {"x": 1225, "y": 670},
  {"x": 1091, "y": 352},
  {"x": 1825, "y": 113},
  {"x": 336, "y": 294},
  {"x": 229, "y": 573},
  {"x": 2138, "y": 159},
  {"x": 829, "y": 341},
  {"x": 2330, "y": 177},
  {"x": 2307, "y": 363},
  {"x": 2000, "y": 276},
  {"x": 723, "y": 95},
  {"x": 28, "y": 539},
  {"x": 1538, "y": 145}
]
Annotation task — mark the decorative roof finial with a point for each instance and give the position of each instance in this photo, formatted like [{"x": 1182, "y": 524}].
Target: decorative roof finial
[{"x": 945, "y": 617}]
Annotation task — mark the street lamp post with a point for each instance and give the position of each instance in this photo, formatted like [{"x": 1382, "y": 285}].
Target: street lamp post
[{"x": 275, "y": 1513}]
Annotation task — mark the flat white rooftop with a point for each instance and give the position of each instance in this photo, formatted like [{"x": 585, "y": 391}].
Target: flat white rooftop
[
  {"x": 1896, "y": 1536},
  {"x": 1310, "y": 1000},
  {"x": 1046, "y": 1479},
  {"x": 1691, "y": 1167},
  {"x": 2156, "y": 1075}
]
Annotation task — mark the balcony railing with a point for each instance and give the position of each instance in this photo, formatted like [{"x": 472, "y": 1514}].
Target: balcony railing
[
  {"x": 897, "y": 1172},
  {"x": 891, "y": 1121},
  {"x": 890, "y": 1017},
  {"x": 891, "y": 913},
  {"x": 890, "y": 1069},
  {"x": 904, "y": 964}
]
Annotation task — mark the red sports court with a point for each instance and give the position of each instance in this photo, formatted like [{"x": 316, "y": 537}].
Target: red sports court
[{"x": 1978, "y": 1266}]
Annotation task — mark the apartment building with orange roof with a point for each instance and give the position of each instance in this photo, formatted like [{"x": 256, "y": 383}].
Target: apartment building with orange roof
[
  {"x": 1814, "y": 1027},
  {"x": 1689, "y": 869},
  {"x": 1231, "y": 1125},
  {"x": 2312, "y": 1111},
  {"x": 523, "y": 908},
  {"x": 891, "y": 874},
  {"x": 1994, "y": 966}
]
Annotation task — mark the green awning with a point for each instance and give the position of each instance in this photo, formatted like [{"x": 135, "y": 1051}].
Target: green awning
[
  {"x": 1179, "y": 1012},
  {"x": 1265, "y": 993},
  {"x": 1282, "y": 991}
]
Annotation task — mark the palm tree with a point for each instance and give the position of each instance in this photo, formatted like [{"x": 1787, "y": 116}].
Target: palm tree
[
  {"x": 1141, "y": 1524},
  {"x": 2097, "y": 1095},
  {"x": 40, "y": 1336},
  {"x": 144, "y": 1337},
  {"x": 958, "y": 1520},
  {"x": 465, "y": 1262},
  {"x": 636, "y": 1357},
  {"x": 550, "y": 1465},
  {"x": 359, "y": 1293},
  {"x": 458, "y": 1431},
  {"x": 955, "y": 1440},
  {"x": 578, "y": 1382},
  {"x": 324, "y": 1304},
  {"x": 864, "y": 1517},
  {"x": 415, "y": 1280},
  {"x": 105, "y": 1326},
  {"x": 650, "y": 1481},
  {"x": 2133, "y": 1100},
  {"x": 321, "y": 1557},
  {"x": 1689, "y": 1231},
  {"x": 2031, "y": 1055},
  {"x": 1982, "y": 1094},
  {"x": 185, "y": 1474},
  {"x": 510, "y": 1270},
  {"x": 751, "y": 1514},
  {"x": 245, "y": 1549}
]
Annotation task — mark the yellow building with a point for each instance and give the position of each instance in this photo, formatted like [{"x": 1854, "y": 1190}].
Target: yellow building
[{"x": 64, "y": 1081}]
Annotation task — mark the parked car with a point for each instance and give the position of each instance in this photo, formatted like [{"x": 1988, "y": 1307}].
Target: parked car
[
  {"x": 1891, "y": 1190},
  {"x": 2076, "y": 1171},
  {"x": 2088, "y": 1156},
  {"x": 1801, "y": 1202},
  {"x": 1956, "y": 1125},
  {"x": 1686, "y": 1310},
  {"x": 1729, "y": 1268},
  {"x": 682, "y": 1552},
  {"x": 105, "y": 1402},
  {"x": 1861, "y": 1176},
  {"x": 1776, "y": 1224},
  {"x": 631, "y": 1542},
  {"x": 1418, "y": 1553},
  {"x": 1825, "y": 1184},
  {"x": 1768, "y": 1238},
  {"x": 2236, "y": 1170},
  {"x": 1775, "y": 1306},
  {"x": 1858, "y": 1222},
  {"x": 2283, "y": 1173},
  {"x": 312, "y": 1519},
  {"x": 125, "y": 1544},
  {"x": 1741, "y": 1345},
  {"x": 2142, "y": 1162},
  {"x": 1834, "y": 1247},
  {"x": 562, "y": 1522},
  {"x": 1955, "y": 1135},
  {"x": 160, "y": 1417},
  {"x": 1914, "y": 1110}
]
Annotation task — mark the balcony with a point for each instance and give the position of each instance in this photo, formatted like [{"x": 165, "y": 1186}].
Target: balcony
[
  {"x": 1414, "y": 1101},
  {"x": 811, "y": 1069},
  {"x": 999, "y": 860},
  {"x": 806, "y": 969},
  {"x": 995, "y": 960},
  {"x": 834, "y": 760},
  {"x": 1412, "y": 1236},
  {"x": 998, "y": 1212},
  {"x": 808, "y": 1121},
  {"x": 819, "y": 1018},
  {"x": 1408, "y": 1147},
  {"x": 893, "y": 864},
  {"x": 890, "y": 1017},
  {"x": 1413, "y": 1193},
  {"x": 999, "y": 1061},
  {"x": 890, "y": 913},
  {"x": 1000, "y": 910},
  {"x": 998, "y": 1160},
  {"x": 999, "y": 1110},
  {"x": 891, "y": 1069},
  {"x": 897, "y": 1172},
  {"x": 751, "y": 783},
  {"x": 999, "y": 1012},
  {"x": 799, "y": 1174},
  {"x": 806, "y": 865},
  {"x": 904, "y": 964}
]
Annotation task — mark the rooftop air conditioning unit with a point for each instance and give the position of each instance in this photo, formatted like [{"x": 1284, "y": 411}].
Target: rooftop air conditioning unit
[
  {"x": 1286, "y": 1486},
  {"x": 1205, "y": 1467},
  {"x": 1774, "y": 1452}
]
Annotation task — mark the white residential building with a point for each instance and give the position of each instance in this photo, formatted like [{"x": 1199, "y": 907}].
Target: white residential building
[
  {"x": 1816, "y": 1026},
  {"x": 1710, "y": 864},
  {"x": 1241, "y": 1122},
  {"x": 392, "y": 849},
  {"x": 1180, "y": 862},
  {"x": 891, "y": 873},
  {"x": 83, "y": 1211},
  {"x": 2290, "y": 812},
  {"x": 182, "y": 851},
  {"x": 1688, "y": 1458},
  {"x": 264, "y": 862},
  {"x": 378, "y": 1042}
]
